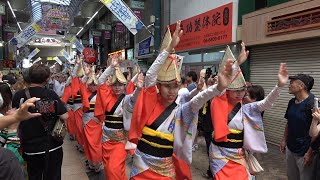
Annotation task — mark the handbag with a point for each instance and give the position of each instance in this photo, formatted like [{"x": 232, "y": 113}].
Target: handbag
[
  {"x": 59, "y": 131},
  {"x": 253, "y": 164}
]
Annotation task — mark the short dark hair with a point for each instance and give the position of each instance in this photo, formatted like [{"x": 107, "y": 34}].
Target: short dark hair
[
  {"x": 39, "y": 73},
  {"x": 125, "y": 74},
  {"x": 183, "y": 80},
  {"x": 193, "y": 75},
  {"x": 6, "y": 94},
  {"x": 256, "y": 92}
]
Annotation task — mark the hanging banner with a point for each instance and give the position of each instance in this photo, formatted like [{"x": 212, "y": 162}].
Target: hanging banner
[
  {"x": 124, "y": 14},
  {"x": 207, "y": 29},
  {"x": 77, "y": 43},
  {"x": 66, "y": 55},
  {"x": 37, "y": 60},
  {"x": 23, "y": 52},
  {"x": 25, "y": 35},
  {"x": 58, "y": 60},
  {"x": 33, "y": 53}
]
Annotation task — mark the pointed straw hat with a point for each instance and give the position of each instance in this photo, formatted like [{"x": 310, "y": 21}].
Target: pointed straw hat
[
  {"x": 169, "y": 71},
  {"x": 118, "y": 76},
  {"x": 238, "y": 81},
  {"x": 135, "y": 69}
]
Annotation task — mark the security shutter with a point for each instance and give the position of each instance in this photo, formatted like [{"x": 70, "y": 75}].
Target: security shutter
[{"x": 301, "y": 56}]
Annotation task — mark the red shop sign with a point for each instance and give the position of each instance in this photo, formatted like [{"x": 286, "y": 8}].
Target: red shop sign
[{"x": 206, "y": 29}]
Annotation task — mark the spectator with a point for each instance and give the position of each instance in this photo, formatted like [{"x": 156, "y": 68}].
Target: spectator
[
  {"x": 42, "y": 153},
  {"x": 299, "y": 156},
  {"x": 9, "y": 164},
  {"x": 314, "y": 133},
  {"x": 192, "y": 80}
]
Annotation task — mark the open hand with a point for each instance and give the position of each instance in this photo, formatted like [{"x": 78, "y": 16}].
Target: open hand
[
  {"x": 140, "y": 81},
  {"x": 114, "y": 61},
  {"x": 175, "y": 37},
  {"x": 316, "y": 114},
  {"x": 283, "y": 75},
  {"x": 225, "y": 76},
  {"x": 87, "y": 70},
  {"x": 200, "y": 83},
  {"x": 243, "y": 54},
  {"x": 22, "y": 113}
]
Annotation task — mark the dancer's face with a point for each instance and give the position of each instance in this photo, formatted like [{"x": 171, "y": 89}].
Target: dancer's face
[
  {"x": 236, "y": 96},
  {"x": 118, "y": 88},
  {"x": 168, "y": 92}
]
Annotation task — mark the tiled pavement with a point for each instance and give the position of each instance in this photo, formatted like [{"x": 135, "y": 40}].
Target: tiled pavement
[{"x": 73, "y": 164}]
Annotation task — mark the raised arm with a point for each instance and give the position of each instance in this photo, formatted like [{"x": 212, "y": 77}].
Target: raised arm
[
  {"x": 151, "y": 77},
  {"x": 224, "y": 80},
  {"x": 267, "y": 102},
  {"x": 68, "y": 81},
  {"x": 104, "y": 76},
  {"x": 315, "y": 126},
  {"x": 87, "y": 71},
  {"x": 76, "y": 67}
]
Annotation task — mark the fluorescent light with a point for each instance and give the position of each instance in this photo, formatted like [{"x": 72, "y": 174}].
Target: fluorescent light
[
  {"x": 222, "y": 51},
  {"x": 11, "y": 9},
  {"x": 92, "y": 17},
  {"x": 80, "y": 31},
  {"x": 1, "y": 44},
  {"x": 19, "y": 26}
]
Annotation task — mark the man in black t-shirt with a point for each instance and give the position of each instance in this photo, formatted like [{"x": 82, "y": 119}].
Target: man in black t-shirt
[
  {"x": 35, "y": 140},
  {"x": 296, "y": 141}
]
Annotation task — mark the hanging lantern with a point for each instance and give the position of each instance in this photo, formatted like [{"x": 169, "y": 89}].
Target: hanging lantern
[{"x": 90, "y": 55}]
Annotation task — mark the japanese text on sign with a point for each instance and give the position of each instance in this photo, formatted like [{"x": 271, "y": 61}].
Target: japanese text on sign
[
  {"x": 207, "y": 29},
  {"x": 77, "y": 43},
  {"x": 124, "y": 14},
  {"x": 26, "y": 34}
]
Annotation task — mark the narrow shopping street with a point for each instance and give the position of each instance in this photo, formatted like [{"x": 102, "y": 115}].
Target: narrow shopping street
[{"x": 139, "y": 89}]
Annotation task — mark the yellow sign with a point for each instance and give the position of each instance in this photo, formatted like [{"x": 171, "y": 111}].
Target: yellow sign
[
  {"x": 105, "y": 2},
  {"x": 36, "y": 27}
]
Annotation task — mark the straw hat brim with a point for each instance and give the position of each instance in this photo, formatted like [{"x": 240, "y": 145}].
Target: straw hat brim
[
  {"x": 118, "y": 76},
  {"x": 169, "y": 72}
]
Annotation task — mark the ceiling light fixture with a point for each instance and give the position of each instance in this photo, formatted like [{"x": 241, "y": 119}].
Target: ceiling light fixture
[
  {"x": 80, "y": 31},
  {"x": 11, "y": 9},
  {"x": 94, "y": 15},
  {"x": 19, "y": 26}
]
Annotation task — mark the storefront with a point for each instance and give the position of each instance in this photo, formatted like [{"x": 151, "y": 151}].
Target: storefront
[
  {"x": 287, "y": 33},
  {"x": 206, "y": 34}
]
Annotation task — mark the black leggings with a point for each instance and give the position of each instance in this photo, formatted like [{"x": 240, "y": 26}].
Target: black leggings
[{"x": 36, "y": 164}]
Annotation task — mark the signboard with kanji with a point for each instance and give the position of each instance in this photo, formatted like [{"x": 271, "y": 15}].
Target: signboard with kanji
[{"x": 206, "y": 29}]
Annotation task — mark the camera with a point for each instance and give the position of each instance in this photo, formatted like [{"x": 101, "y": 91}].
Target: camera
[
  {"x": 208, "y": 73},
  {"x": 46, "y": 107}
]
